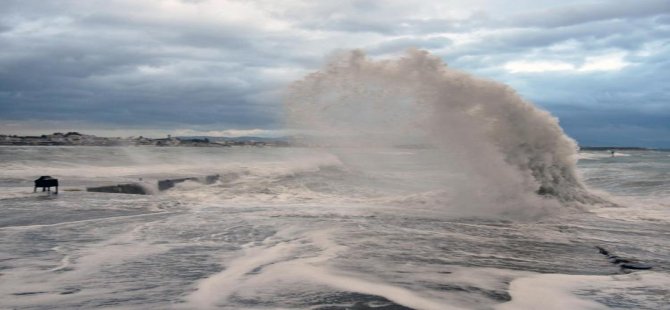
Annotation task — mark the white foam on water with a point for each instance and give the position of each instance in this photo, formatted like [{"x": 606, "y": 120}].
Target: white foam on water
[
  {"x": 33, "y": 284},
  {"x": 591, "y": 155},
  {"x": 279, "y": 264},
  {"x": 217, "y": 288},
  {"x": 129, "y": 163},
  {"x": 599, "y": 155},
  {"x": 353, "y": 283},
  {"x": 636, "y": 209},
  {"x": 560, "y": 291}
]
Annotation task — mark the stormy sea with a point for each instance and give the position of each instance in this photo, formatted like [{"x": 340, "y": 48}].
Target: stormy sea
[{"x": 413, "y": 186}]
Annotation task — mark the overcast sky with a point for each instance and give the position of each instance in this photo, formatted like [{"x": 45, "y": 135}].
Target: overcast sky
[{"x": 189, "y": 66}]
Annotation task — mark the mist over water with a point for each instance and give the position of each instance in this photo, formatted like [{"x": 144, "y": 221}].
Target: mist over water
[{"x": 502, "y": 149}]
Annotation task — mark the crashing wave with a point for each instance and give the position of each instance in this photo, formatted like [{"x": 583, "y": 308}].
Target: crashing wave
[{"x": 508, "y": 148}]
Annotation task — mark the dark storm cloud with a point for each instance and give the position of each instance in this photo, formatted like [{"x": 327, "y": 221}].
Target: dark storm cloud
[
  {"x": 615, "y": 126},
  {"x": 629, "y": 106},
  {"x": 106, "y": 67},
  {"x": 223, "y": 64}
]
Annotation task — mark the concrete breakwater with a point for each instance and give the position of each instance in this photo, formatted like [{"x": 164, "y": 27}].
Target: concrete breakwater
[
  {"x": 130, "y": 188},
  {"x": 146, "y": 189}
]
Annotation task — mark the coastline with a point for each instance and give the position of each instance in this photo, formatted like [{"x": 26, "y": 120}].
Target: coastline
[{"x": 78, "y": 139}]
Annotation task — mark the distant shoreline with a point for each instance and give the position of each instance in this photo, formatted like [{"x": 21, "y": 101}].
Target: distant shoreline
[
  {"x": 614, "y": 148},
  {"x": 78, "y": 139}
]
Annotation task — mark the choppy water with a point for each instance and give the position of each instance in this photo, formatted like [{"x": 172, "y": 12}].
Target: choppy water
[{"x": 291, "y": 228}]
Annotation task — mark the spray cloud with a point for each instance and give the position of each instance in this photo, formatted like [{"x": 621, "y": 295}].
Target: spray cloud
[{"x": 510, "y": 150}]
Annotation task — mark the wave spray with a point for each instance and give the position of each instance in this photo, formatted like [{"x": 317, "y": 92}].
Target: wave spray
[{"x": 511, "y": 155}]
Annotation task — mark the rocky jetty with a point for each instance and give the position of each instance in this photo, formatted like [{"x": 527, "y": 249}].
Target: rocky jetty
[{"x": 130, "y": 188}]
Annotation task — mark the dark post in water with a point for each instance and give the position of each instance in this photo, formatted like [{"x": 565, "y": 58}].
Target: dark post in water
[{"x": 46, "y": 182}]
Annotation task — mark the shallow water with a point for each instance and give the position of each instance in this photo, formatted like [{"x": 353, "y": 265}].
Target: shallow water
[{"x": 292, "y": 228}]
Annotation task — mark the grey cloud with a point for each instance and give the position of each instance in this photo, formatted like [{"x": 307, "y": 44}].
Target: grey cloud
[
  {"x": 91, "y": 69},
  {"x": 493, "y": 50},
  {"x": 394, "y": 45},
  {"x": 395, "y": 25},
  {"x": 632, "y": 104},
  {"x": 353, "y": 24},
  {"x": 601, "y": 33},
  {"x": 4, "y": 27},
  {"x": 388, "y": 22},
  {"x": 591, "y": 12}
]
